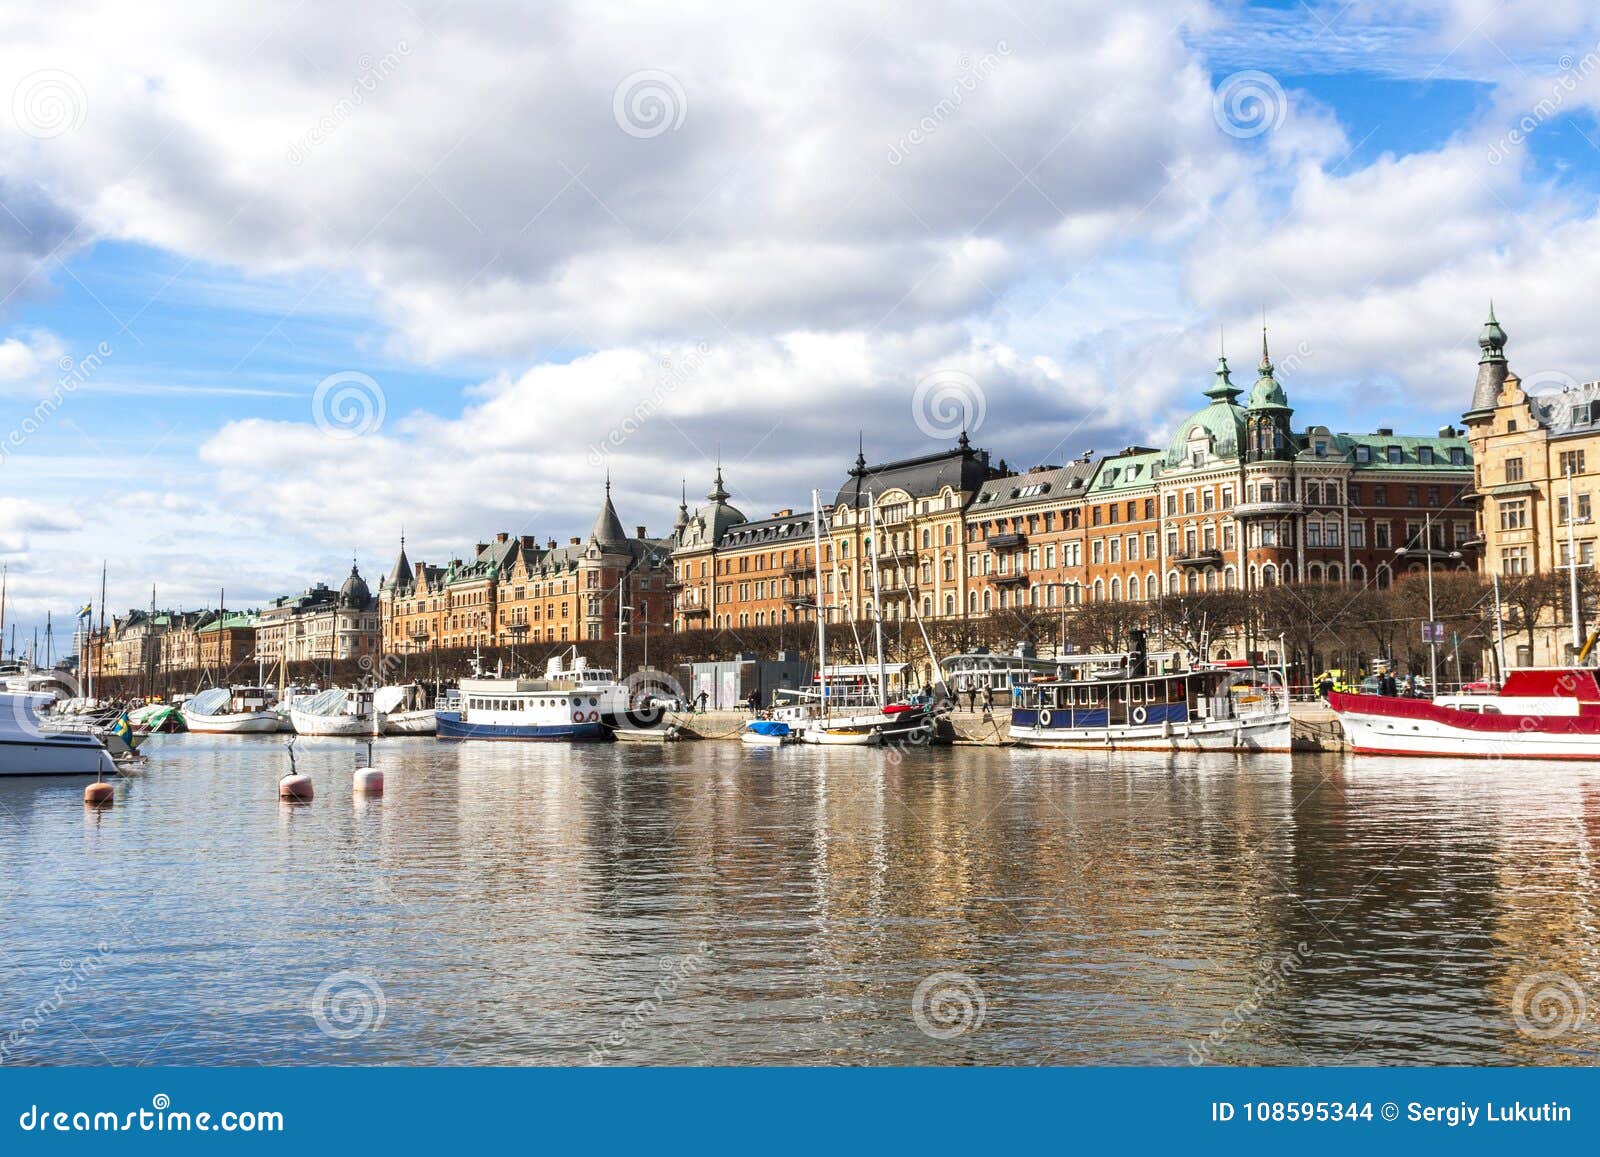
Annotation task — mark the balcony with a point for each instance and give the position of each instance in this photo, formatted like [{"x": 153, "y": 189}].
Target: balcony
[
  {"x": 694, "y": 612},
  {"x": 1005, "y": 541},
  {"x": 1016, "y": 578},
  {"x": 799, "y": 570},
  {"x": 1201, "y": 559},
  {"x": 1433, "y": 555},
  {"x": 672, "y": 584},
  {"x": 1268, "y": 509}
]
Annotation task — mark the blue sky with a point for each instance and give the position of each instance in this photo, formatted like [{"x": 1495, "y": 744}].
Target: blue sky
[{"x": 546, "y": 248}]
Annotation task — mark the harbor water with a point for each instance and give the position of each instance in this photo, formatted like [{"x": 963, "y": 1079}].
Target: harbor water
[{"x": 708, "y": 903}]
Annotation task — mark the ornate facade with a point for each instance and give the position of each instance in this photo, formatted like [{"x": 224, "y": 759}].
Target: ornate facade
[{"x": 1238, "y": 500}]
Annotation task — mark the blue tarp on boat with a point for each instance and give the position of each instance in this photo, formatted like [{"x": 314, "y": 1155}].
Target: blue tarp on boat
[{"x": 768, "y": 727}]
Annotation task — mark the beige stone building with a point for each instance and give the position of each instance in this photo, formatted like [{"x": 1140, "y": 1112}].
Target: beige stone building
[{"x": 1537, "y": 458}]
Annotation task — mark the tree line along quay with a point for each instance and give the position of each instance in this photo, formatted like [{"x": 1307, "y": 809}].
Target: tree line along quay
[{"x": 1244, "y": 534}]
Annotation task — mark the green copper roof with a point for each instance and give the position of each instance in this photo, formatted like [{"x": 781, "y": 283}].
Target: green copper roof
[{"x": 1267, "y": 394}]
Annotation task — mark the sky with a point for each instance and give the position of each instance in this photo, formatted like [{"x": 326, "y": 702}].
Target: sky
[{"x": 279, "y": 284}]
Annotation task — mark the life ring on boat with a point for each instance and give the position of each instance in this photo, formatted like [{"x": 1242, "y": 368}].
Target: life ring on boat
[
  {"x": 577, "y": 716},
  {"x": 1139, "y": 714},
  {"x": 1044, "y": 717},
  {"x": 594, "y": 717}
]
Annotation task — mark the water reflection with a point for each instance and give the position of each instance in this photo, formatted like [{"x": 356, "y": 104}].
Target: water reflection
[{"x": 704, "y": 903}]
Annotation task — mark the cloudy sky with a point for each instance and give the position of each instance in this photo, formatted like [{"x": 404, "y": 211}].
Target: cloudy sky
[{"x": 276, "y": 281}]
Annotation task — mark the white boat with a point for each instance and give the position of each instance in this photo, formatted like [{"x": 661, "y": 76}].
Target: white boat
[
  {"x": 29, "y": 745},
  {"x": 768, "y": 733},
  {"x": 1154, "y": 702},
  {"x": 404, "y": 710},
  {"x": 336, "y": 711},
  {"x": 231, "y": 711},
  {"x": 580, "y": 702},
  {"x": 1539, "y": 713}
]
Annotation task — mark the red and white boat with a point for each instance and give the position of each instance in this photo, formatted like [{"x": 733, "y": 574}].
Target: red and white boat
[{"x": 1539, "y": 713}]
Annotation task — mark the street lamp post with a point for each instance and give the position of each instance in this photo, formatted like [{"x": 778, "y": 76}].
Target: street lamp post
[
  {"x": 1433, "y": 645},
  {"x": 1572, "y": 568}
]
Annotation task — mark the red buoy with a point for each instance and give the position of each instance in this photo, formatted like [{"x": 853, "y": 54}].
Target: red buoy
[
  {"x": 295, "y": 787},
  {"x": 99, "y": 794}
]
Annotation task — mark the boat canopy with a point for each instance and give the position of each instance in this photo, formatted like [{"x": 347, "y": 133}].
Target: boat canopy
[
  {"x": 211, "y": 701},
  {"x": 329, "y": 702},
  {"x": 774, "y": 727}
]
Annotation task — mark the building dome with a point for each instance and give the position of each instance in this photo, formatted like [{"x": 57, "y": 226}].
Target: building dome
[
  {"x": 1221, "y": 423},
  {"x": 709, "y": 523},
  {"x": 354, "y": 593}
]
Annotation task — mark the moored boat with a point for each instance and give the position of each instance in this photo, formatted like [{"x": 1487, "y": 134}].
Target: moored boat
[
  {"x": 231, "y": 711},
  {"x": 1156, "y": 702},
  {"x": 404, "y": 710},
  {"x": 336, "y": 711},
  {"x": 767, "y": 733},
  {"x": 30, "y": 746},
  {"x": 580, "y": 702},
  {"x": 1538, "y": 713}
]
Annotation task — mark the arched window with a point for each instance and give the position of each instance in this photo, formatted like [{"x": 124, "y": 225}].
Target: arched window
[
  {"x": 1287, "y": 572},
  {"x": 1172, "y": 582},
  {"x": 949, "y": 604},
  {"x": 972, "y": 602},
  {"x": 1314, "y": 573},
  {"x": 1193, "y": 583},
  {"x": 1099, "y": 590},
  {"x": 1358, "y": 573},
  {"x": 1229, "y": 579},
  {"x": 988, "y": 601},
  {"x": 1269, "y": 575},
  {"x": 1116, "y": 589},
  {"x": 1333, "y": 573}
]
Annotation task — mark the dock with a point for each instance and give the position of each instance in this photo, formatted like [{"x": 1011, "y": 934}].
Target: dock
[{"x": 1314, "y": 726}]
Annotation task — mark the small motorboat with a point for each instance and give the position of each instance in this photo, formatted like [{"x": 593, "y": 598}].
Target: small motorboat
[
  {"x": 768, "y": 733},
  {"x": 231, "y": 711},
  {"x": 335, "y": 711},
  {"x": 404, "y": 710}
]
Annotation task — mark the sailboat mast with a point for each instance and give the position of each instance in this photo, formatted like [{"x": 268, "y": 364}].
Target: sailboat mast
[
  {"x": 877, "y": 601},
  {"x": 822, "y": 629}
]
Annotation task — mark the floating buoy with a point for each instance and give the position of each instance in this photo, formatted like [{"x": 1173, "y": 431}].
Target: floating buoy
[
  {"x": 368, "y": 781},
  {"x": 99, "y": 794},
  {"x": 295, "y": 787}
]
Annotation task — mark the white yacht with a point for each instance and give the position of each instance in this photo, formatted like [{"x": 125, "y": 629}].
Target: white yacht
[{"x": 30, "y": 746}]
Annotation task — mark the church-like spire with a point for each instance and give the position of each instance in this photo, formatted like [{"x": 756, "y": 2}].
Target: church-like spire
[
  {"x": 861, "y": 452},
  {"x": 1492, "y": 340},
  {"x": 683, "y": 505},
  {"x": 719, "y": 492},
  {"x": 607, "y": 529},
  {"x": 1223, "y": 389}
]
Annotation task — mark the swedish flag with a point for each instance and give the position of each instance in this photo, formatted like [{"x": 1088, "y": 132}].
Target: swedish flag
[
  {"x": 86, "y": 611},
  {"x": 123, "y": 730}
]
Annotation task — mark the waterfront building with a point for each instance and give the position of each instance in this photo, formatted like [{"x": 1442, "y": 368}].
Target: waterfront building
[
  {"x": 1536, "y": 453},
  {"x": 514, "y": 591},
  {"x": 320, "y": 625},
  {"x": 1237, "y": 500}
]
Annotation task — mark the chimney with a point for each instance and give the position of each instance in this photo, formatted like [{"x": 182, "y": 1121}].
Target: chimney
[
  {"x": 552, "y": 544},
  {"x": 640, "y": 531},
  {"x": 786, "y": 512},
  {"x": 482, "y": 546},
  {"x": 1386, "y": 431},
  {"x": 529, "y": 542},
  {"x": 501, "y": 537},
  {"x": 1447, "y": 431},
  {"x": 574, "y": 541}
]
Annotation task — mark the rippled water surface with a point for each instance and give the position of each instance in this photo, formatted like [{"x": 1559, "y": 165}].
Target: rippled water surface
[{"x": 712, "y": 904}]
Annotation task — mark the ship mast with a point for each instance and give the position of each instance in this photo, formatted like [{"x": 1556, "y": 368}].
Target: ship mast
[
  {"x": 822, "y": 630},
  {"x": 877, "y": 601}
]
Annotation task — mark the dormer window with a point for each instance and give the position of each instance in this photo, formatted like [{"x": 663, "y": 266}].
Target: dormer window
[
  {"x": 1395, "y": 455},
  {"x": 1363, "y": 454}
]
